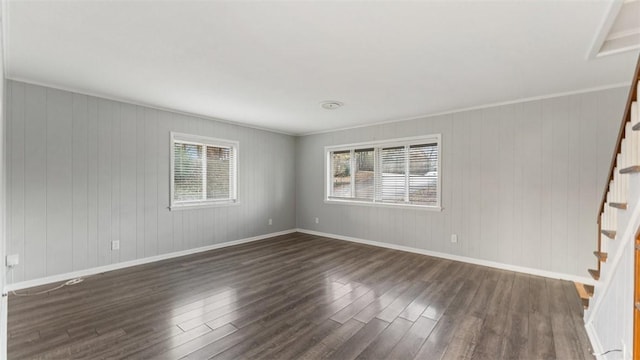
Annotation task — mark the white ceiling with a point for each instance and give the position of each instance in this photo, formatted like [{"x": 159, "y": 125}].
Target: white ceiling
[{"x": 270, "y": 64}]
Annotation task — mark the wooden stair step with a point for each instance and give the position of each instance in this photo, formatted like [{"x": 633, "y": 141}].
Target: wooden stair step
[
  {"x": 595, "y": 274},
  {"x": 638, "y": 306},
  {"x": 621, "y": 206},
  {"x": 611, "y": 234},
  {"x": 602, "y": 256},
  {"x": 630, "y": 170},
  {"x": 584, "y": 292},
  {"x": 590, "y": 289}
]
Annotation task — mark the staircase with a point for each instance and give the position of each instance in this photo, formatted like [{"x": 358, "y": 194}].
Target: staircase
[{"x": 625, "y": 161}]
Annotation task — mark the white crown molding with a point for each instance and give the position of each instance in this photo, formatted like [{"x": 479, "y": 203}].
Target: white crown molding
[
  {"x": 143, "y": 104},
  {"x": 235, "y": 123},
  {"x": 479, "y": 107}
]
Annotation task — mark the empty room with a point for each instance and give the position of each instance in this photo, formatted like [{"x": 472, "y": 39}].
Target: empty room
[{"x": 320, "y": 179}]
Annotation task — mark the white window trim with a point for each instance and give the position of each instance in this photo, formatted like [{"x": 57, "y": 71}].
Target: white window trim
[
  {"x": 199, "y": 140},
  {"x": 376, "y": 144}
]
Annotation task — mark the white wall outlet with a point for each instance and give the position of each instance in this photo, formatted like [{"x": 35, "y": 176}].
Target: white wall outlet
[
  {"x": 454, "y": 238},
  {"x": 115, "y": 245},
  {"x": 270, "y": 221},
  {"x": 13, "y": 260},
  {"x": 317, "y": 221}
]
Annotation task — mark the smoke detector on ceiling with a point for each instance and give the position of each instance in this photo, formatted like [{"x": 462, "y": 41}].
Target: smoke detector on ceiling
[{"x": 331, "y": 104}]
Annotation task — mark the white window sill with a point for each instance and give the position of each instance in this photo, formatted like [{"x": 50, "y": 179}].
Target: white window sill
[
  {"x": 380, "y": 204},
  {"x": 178, "y": 207}
]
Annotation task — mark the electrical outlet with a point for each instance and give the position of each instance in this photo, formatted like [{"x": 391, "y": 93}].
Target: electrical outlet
[
  {"x": 317, "y": 221},
  {"x": 13, "y": 260},
  {"x": 270, "y": 221},
  {"x": 115, "y": 245},
  {"x": 454, "y": 238}
]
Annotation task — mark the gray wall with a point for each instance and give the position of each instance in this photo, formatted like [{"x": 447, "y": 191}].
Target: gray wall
[
  {"x": 3, "y": 204},
  {"x": 83, "y": 171},
  {"x": 521, "y": 183}
]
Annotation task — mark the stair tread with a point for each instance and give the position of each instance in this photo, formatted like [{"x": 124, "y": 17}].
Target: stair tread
[
  {"x": 618, "y": 205},
  {"x": 602, "y": 256},
  {"x": 630, "y": 169},
  {"x": 611, "y": 234},
  {"x": 584, "y": 292},
  {"x": 590, "y": 289},
  {"x": 595, "y": 274}
]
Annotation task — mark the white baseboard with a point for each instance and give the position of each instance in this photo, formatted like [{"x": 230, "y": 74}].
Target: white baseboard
[
  {"x": 595, "y": 341},
  {"x": 125, "y": 264},
  {"x": 493, "y": 264}
]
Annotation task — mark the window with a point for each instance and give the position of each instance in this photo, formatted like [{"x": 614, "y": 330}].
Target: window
[
  {"x": 356, "y": 184},
  {"x": 396, "y": 172},
  {"x": 203, "y": 171}
]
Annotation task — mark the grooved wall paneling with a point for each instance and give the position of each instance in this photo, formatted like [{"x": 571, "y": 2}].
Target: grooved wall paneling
[
  {"x": 83, "y": 171},
  {"x": 521, "y": 183}
]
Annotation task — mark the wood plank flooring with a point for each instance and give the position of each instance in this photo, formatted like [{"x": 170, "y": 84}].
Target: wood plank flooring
[{"x": 300, "y": 296}]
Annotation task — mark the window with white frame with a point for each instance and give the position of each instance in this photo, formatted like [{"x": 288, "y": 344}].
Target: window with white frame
[
  {"x": 203, "y": 171},
  {"x": 393, "y": 172}
]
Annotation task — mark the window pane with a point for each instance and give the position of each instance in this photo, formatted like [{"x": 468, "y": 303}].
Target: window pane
[
  {"x": 364, "y": 165},
  {"x": 188, "y": 172},
  {"x": 423, "y": 174},
  {"x": 399, "y": 172},
  {"x": 392, "y": 183},
  {"x": 218, "y": 172},
  {"x": 341, "y": 174}
]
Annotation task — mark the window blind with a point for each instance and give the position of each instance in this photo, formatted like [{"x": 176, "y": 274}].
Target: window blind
[
  {"x": 203, "y": 172},
  {"x": 341, "y": 173},
  {"x": 404, "y": 173},
  {"x": 219, "y": 172},
  {"x": 423, "y": 174},
  {"x": 187, "y": 176},
  {"x": 364, "y": 165},
  {"x": 393, "y": 185}
]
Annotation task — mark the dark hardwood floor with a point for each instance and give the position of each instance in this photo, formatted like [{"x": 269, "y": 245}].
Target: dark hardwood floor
[{"x": 299, "y": 296}]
